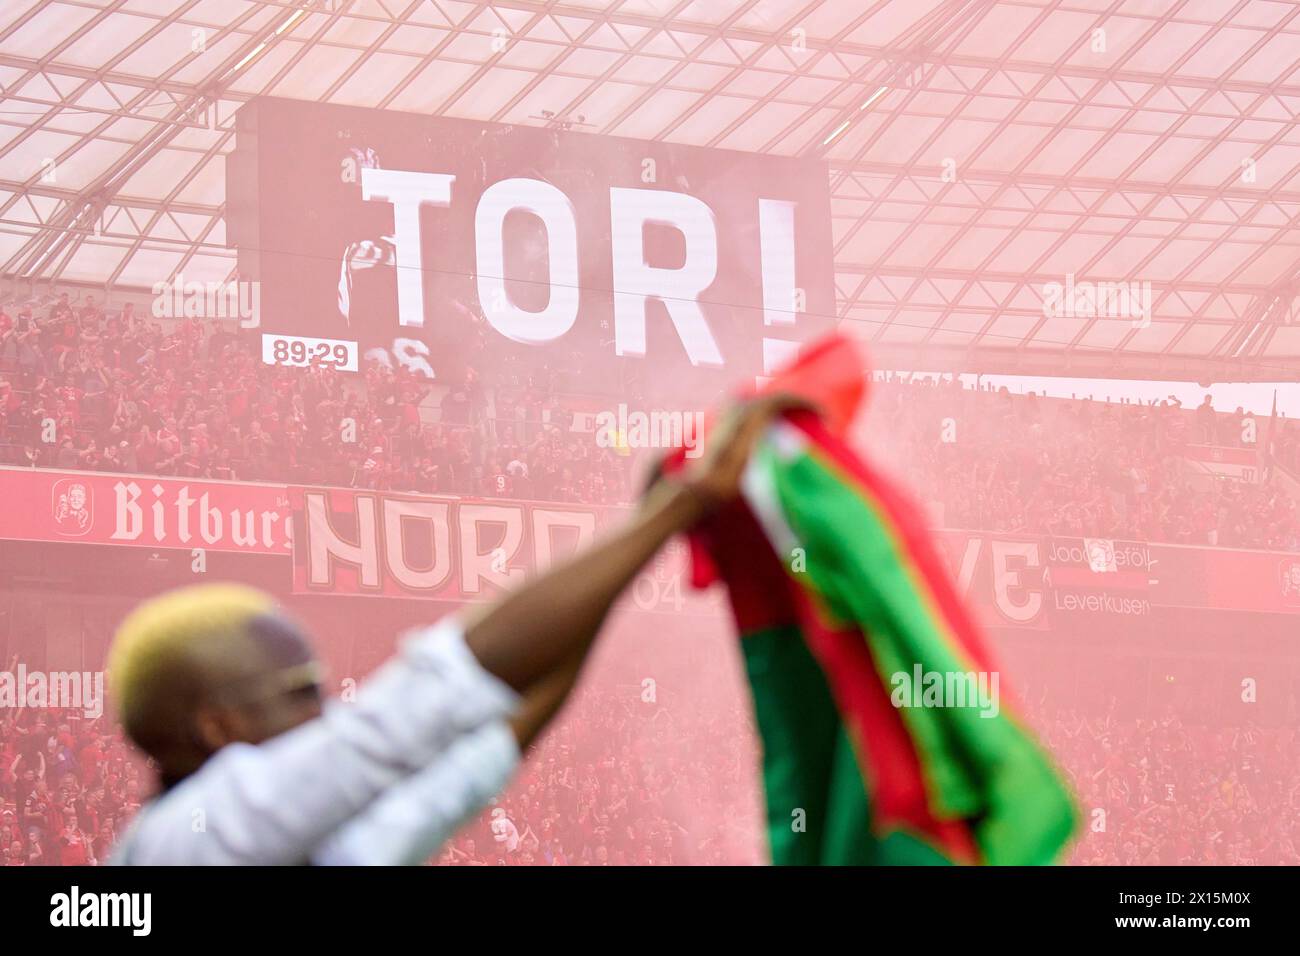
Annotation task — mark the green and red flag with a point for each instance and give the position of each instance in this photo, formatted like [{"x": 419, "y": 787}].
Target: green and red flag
[{"x": 846, "y": 613}]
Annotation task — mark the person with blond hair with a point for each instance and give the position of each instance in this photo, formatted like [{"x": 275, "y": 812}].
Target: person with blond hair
[{"x": 222, "y": 690}]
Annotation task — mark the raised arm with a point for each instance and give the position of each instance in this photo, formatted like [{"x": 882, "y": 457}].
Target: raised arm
[{"x": 549, "y": 623}]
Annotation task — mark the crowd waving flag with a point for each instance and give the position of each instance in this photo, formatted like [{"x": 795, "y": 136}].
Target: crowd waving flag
[{"x": 887, "y": 734}]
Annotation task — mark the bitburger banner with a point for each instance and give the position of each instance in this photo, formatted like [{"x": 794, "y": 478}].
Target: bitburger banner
[{"x": 143, "y": 511}]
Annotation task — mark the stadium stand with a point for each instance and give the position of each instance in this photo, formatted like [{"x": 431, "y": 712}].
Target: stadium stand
[{"x": 127, "y": 394}]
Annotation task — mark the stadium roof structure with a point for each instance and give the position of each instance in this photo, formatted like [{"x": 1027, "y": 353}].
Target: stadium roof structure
[{"x": 979, "y": 150}]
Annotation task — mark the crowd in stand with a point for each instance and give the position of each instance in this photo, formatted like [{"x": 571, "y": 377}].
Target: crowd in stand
[
  {"x": 620, "y": 782},
  {"x": 81, "y": 389},
  {"x": 989, "y": 461},
  {"x": 1167, "y": 791},
  {"x": 68, "y": 787},
  {"x": 87, "y": 390}
]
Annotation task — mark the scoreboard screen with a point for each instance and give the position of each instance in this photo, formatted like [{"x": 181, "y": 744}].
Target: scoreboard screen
[{"x": 442, "y": 243}]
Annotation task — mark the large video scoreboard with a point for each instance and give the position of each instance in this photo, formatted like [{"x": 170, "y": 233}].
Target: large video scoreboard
[{"x": 437, "y": 243}]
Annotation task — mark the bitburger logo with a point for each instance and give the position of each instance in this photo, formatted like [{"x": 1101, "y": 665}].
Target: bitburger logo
[{"x": 72, "y": 506}]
